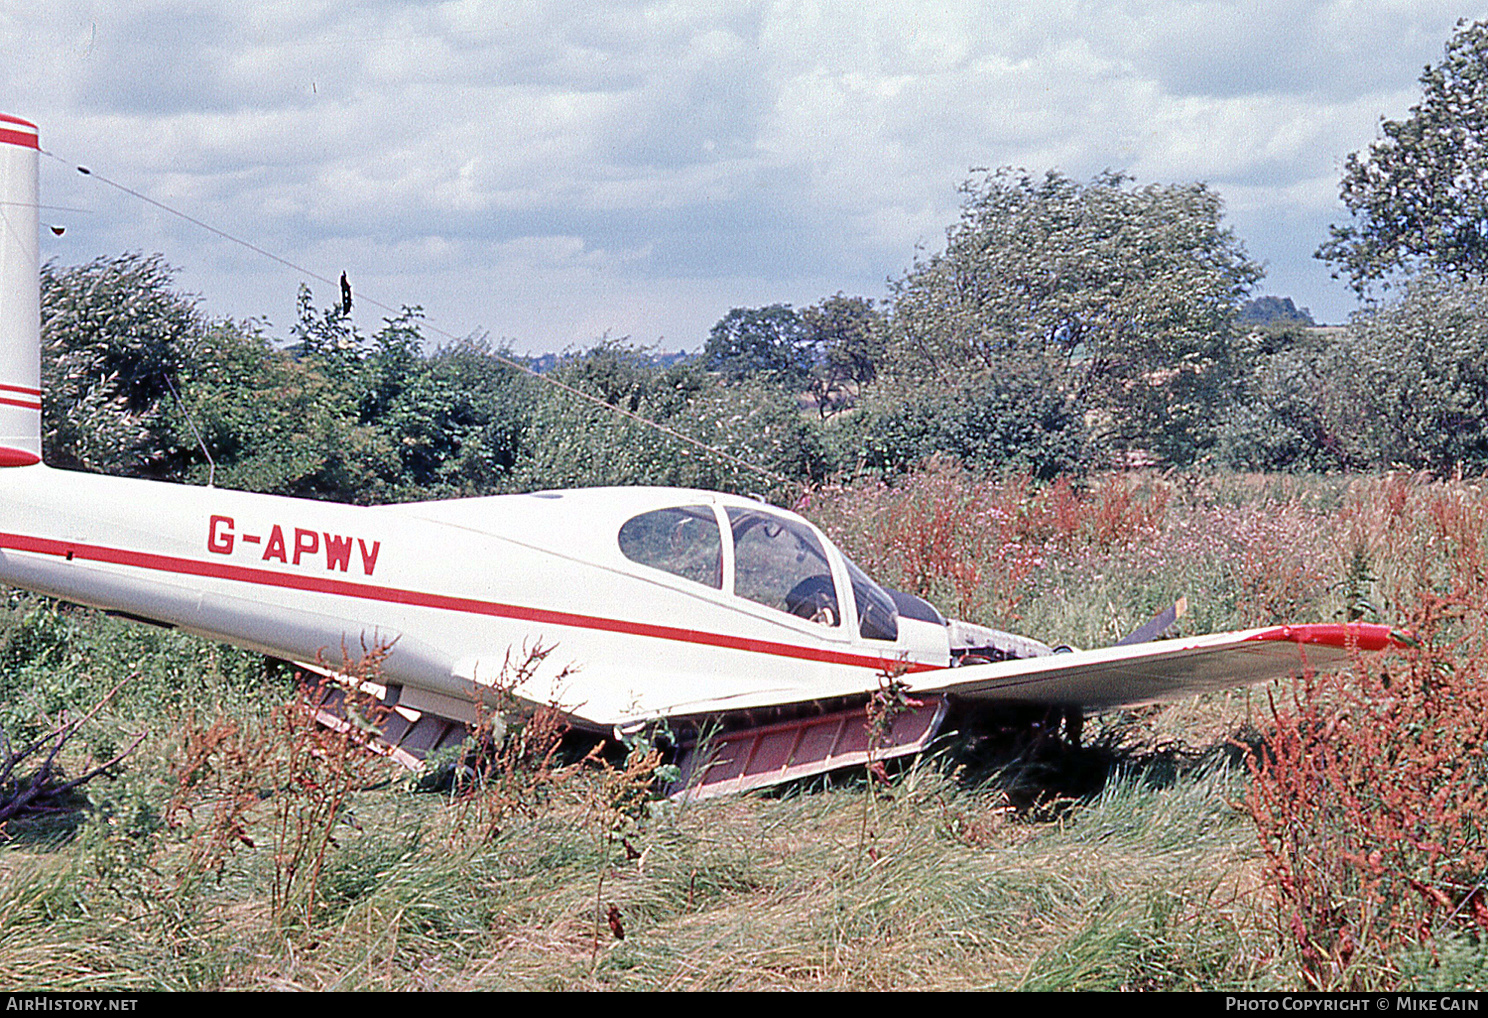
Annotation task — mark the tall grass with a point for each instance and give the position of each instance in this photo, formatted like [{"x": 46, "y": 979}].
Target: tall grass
[{"x": 1367, "y": 791}]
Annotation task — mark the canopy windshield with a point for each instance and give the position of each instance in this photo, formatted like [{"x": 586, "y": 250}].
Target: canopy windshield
[
  {"x": 878, "y": 618},
  {"x": 779, "y": 563}
]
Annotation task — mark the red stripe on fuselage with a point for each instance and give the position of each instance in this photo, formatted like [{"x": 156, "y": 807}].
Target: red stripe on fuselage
[
  {"x": 445, "y": 602},
  {"x": 23, "y": 404},
  {"x": 20, "y": 138},
  {"x": 21, "y": 389}
]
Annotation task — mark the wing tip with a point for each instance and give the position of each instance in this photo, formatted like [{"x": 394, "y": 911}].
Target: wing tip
[{"x": 1344, "y": 635}]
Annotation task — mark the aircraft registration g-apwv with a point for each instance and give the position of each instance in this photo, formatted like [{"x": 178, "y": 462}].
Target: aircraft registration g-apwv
[{"x": 688, "y": 606}]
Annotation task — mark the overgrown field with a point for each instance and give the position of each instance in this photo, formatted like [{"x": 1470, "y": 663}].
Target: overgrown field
[{"x": 1327, "y": 834}]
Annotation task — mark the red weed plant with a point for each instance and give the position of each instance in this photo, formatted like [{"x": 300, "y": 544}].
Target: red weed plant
[
  {"x": 314, "y": 773},
  {"x": 1419, "y": 535},
  {"x": 511, "y": 763},
  {"x": 219, "y": 772},
  {"x": 292, "y": 775},
  {"x": 1370, "y": 796},
  {"x": 942, "y": 535},
  {"x": 1116, "y": 512},
  {"x": 974, "y": 544}
]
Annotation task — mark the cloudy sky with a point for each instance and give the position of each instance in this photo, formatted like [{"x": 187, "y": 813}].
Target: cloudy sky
[{"x": 550, "y": 173}]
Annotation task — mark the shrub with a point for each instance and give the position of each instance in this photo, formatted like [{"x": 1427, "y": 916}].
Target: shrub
[
  {"x": 1284, "y": 422},
  {"x": 572, "y": 442},
  {"x": 1015, "y": 421}
]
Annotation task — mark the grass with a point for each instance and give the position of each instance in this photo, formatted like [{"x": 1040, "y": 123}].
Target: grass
[
  {"x": 1132, "y": 865},
  {"x": 955, "y": 890}
]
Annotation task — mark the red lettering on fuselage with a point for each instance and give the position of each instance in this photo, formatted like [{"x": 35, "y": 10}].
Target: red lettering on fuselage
[
  {"x": 276, "y": 545},
  {"x": 220, "y": 535},
  {"x": 338, "y": 552},
  {"x": 369, "y": 560},
  {"x": 223, "y": 536},
  {"x": 307, "y": 542}
]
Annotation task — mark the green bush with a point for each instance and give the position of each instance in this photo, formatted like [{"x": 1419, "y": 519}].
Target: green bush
[
  {"x": 1284, "y": 420},
  {"x": 112, "y": 333},
  {"x": 573, "y": 442},
  {"x": 1001, "y": 421},
  {"x": 1411, "y": 379}
]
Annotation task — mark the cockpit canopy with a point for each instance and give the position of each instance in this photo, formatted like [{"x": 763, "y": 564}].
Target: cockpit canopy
[
  {"x": 777, "y": 562},
  {"x": 682, "y": 541}
]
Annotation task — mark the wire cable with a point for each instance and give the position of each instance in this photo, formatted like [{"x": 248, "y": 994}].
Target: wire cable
[{"x": 509, "y": 362}]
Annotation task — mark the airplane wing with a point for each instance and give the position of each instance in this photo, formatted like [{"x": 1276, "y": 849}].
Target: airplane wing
[
  {"x": 1129, "y": 676},
  {"x": 1120, "y": 676}
]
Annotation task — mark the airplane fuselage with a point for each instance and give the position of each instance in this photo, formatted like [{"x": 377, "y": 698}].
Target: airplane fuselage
[{"x": 452, "y": 587}]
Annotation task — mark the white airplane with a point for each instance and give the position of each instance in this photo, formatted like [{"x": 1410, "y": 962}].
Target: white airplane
[{"x": 686, "y": 606}]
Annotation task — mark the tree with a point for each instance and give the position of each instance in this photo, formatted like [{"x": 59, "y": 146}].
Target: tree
[
  {"x": 463, "y": 426},
  {"x": 1000, "y": 423},
  {"x": 1406, "y": 385},
  {"x": 572, "y": 442},
  {"x": 1287, "y": 417},
  {"x": 1419, "y": 198},
  {"x": 339, "y": 418},
  {"x": 1122, "y": 297},
  {"x": 846, "y": 337},
  {"x": 455, "y": 418},
  {"x": 1274, "y": 311},
  {"x": 767, "y": 344},
  {"x": 277, "y": 423},
  {"x": 1417, "y": 370}
]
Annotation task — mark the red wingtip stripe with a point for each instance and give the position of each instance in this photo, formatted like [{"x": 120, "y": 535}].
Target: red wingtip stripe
[
  {"x": 20, "y": 138},
  {"x": 7, "y": 118},
  {"x": 17, "y": 457},
  {"x": 24, "y": 390},
  {"x": 24, "y": 404},
  {"x": 1364, "y": 635}
]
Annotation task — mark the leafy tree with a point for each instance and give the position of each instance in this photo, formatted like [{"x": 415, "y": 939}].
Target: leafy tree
[
  {"x": 573, "y": 442},
  {"x": 1001, "y": 421},
  {"x": 767, "y": 344},
  {"x": 347, "y": 419},
  {"x": 1122, "y": 297},
  {"x": 1419, "y": 197},
  {"x": 1287, "y": 418},
  {"x": 455, "y": 418},
  {"x": 1274, "y": 311},
  {"x": 847, "y": 337},
  {"x": 276, "y": 423},
  {"x": 471, "y": 415},
  {"x": 1406, "y": 385}
]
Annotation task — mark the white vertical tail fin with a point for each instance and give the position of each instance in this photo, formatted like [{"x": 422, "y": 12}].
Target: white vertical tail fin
[{"x": 20, "y": 296}]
